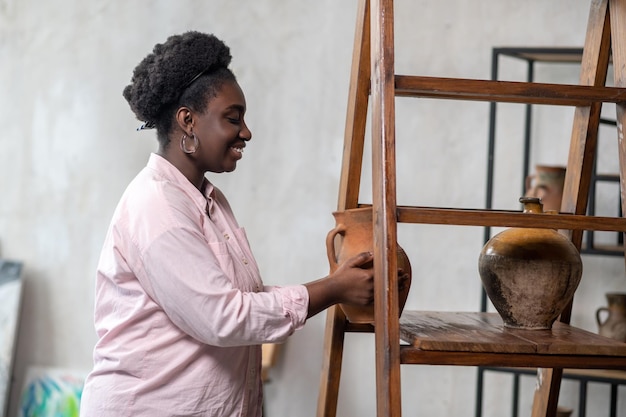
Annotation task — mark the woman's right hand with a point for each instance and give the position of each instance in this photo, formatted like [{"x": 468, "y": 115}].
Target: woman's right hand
[
  {"x": 354, "y": 279},
  {"x": 352, "y": 282}
]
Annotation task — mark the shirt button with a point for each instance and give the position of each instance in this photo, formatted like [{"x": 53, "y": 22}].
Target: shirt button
[
  {"x": 245, "y": 261},
  {"x": 226, "y": 236}
]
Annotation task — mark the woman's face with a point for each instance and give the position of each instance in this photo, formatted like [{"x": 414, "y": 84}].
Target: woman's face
[{"x": 221, "y": 130}]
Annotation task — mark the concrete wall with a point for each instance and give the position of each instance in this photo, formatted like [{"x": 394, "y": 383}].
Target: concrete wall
[{"x": 69, "y": 147}]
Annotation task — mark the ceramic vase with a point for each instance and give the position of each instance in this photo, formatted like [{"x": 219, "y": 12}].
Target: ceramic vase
[
  {"x": 563, "y": 411},
  {"x": 353, "y": 234},
  {"x": 529, "y": 274},
  {"x": 547, "y": 184},
  {"x": 614, "y": 324}
]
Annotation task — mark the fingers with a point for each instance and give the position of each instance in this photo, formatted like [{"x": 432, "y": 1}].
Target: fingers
[
  {"x": 360, "y": 259},
  {"x": 403, "y": 281}
]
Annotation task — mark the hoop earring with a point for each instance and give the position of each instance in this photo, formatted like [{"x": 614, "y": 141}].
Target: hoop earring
[{"x": 183, "y": 144}]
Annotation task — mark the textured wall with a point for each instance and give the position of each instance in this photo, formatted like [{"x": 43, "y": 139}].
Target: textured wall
[{"x": 69, "y": 147}]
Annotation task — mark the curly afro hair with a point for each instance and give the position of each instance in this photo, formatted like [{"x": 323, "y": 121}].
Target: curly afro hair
[{"x": 185, "y": 70}]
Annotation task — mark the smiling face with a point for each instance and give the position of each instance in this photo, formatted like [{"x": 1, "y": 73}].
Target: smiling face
[{"x": 221, "y": 130}]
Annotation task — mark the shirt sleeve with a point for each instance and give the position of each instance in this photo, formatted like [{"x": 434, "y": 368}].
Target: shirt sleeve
[{"x": 183, "y": 276}]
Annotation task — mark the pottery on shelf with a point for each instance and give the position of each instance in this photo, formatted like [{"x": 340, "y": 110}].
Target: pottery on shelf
[
  {"x": 614, "y": 325},
  {"x": 353, "y": 234},
  {"x": 530, "y": 275},
  {"x": 563, "y": 411},
  {"x": 547, "y": 184}
]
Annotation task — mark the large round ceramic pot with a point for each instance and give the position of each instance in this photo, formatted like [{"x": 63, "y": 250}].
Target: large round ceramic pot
[
  {"x": 530, "y": 275},
  {"x": 352, "y": 235}
]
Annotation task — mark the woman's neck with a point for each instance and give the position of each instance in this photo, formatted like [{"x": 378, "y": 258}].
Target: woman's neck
[{"x": 185, "y": 165}]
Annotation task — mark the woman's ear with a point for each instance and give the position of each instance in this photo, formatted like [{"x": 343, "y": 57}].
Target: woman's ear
[{"x": 184, "y": 118}]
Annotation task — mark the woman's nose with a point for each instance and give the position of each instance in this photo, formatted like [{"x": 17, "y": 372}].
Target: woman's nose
[{"x": 245, "y": 132}]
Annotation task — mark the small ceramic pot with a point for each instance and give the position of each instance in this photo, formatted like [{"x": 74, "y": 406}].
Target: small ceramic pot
[
  {"x": 614, "y": 325},
  {"x": 353, "y": 234}
]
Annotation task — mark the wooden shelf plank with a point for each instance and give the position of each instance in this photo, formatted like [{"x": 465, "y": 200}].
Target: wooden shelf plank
[
  {"x": 543, "y": 54},
  {"x": 599, "y": 375},
  {"x": 506, "y": 91},
  {"x": 462, "y": 338},
  {"x": 503, "y": 218},
  {"x": 411, "y": 355}
]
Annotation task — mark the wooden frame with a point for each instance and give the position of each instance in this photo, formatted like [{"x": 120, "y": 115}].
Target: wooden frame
[{"x": 373, "y": 78}]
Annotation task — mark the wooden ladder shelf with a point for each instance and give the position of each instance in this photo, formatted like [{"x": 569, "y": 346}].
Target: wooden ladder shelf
[{"x": 470, "y": 339}]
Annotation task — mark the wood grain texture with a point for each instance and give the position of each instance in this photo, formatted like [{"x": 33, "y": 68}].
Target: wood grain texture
[
  {"x": 349, "y": 185},
  {"x": 484, "y": 332},
  {"x": 504, "y": 218},
  {"x": 507, "y": 91},
  {"x": 384, "y": 210},
  {"x": 594, "y": 66},
  {"x": 356, "y": 114}
]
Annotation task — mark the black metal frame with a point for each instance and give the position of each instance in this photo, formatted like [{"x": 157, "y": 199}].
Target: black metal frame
[
  {"x": 531, "y": 56},
  {"x": 583, "y": 379}
]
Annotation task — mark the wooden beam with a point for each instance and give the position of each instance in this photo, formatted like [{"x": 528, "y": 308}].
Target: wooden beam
[
  {"x": 507, "y": 91},
  {"x": 387, "y": 339}
]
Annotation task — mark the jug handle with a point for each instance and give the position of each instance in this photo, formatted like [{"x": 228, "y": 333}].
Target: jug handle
[
  {"x": 330, "y": 245},
  {"x": 598, "y": 311}
]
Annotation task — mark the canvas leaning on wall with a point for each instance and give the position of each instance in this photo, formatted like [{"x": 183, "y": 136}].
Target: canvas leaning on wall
[
  {"x": 10, "y": 305},
  {"x": 51, "y": 392}
]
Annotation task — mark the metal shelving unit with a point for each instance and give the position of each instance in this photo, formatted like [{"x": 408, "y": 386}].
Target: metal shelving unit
[{"x": 531, "y": 56}]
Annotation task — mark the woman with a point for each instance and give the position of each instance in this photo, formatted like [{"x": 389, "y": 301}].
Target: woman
[{"x": 181, "y": 310}]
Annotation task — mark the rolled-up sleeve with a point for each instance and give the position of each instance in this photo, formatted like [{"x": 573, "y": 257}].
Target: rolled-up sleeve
[{"x": 295, "y": 300}]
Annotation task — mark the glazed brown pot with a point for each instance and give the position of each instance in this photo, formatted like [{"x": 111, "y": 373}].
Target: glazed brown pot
[
  {"x": 352, "y": 235},
  {"x": 530, "y": 275},
  {"x": 614, "y": 325}
]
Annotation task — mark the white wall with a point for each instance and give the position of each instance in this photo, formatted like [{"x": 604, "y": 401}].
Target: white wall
[{"x": 69, "y": 147}]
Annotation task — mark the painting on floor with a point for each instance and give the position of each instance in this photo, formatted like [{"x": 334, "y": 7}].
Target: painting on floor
[
  {"x": 51, "y": 392},
  {"x": 10, "y": 302}
]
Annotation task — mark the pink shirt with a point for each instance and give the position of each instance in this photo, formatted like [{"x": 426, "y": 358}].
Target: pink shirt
[{"x": 180, "y": 308}]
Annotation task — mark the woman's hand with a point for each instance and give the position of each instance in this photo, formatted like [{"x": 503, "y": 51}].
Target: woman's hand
[{"x": 352, "y": 282}]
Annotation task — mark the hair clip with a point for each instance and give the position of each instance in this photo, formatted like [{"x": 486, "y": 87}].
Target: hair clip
[
  {"x": 146, "y": 125},
  {"x": 200, "y": 74}
]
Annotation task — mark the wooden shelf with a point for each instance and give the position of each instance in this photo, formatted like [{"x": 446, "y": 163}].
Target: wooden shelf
[
  {"x": 506, "y": 91},
  {"x": 469, "y": 339},
  {"x": 600, "y": 375},
  {"x": 504, "y": 218},
  {"x": 543, "y": 54},
  {"x": 480, "y": 339}
]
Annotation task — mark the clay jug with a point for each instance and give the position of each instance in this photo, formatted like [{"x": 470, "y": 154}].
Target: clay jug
[
  {"x": 530, "y": 275},
  {"x": 614, "y": 326},
  {"x": 563, "y": 411},
  {"x": 547, "y": 184},
  {"x": 352, "y": 235}
]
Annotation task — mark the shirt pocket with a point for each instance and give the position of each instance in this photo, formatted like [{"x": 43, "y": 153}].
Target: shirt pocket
[{"x": 224, "y": 259}]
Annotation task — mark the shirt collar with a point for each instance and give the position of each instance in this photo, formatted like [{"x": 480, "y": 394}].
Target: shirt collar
[
  {"x": 204, "y": 199},
  {"x": 209, "y": 194}
]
